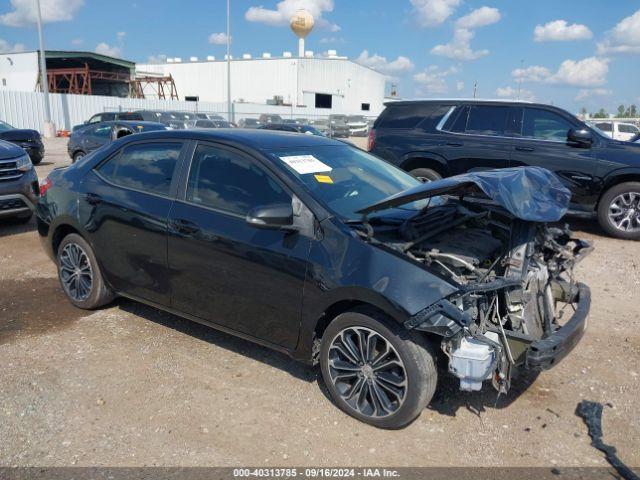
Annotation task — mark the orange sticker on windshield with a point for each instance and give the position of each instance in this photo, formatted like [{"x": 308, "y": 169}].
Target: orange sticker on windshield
[{"x": 324, "y": 178}]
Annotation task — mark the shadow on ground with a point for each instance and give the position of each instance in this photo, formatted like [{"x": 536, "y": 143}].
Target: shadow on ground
[{"x": 222, "y": 340}]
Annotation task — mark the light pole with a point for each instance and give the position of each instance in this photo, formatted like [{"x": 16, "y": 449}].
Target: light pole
[
  {"x": 229, "y": 60},
  {"x": 49, "y": 129}
]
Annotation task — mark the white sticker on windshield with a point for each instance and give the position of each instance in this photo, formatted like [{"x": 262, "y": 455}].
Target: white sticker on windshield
[{"x": 304, "y": 164}]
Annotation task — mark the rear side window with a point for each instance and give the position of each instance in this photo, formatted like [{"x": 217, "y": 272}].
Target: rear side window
[
  {"x": 148, "y": 167},
  {"x": 421, "y": 115},
  {"x": 227, "y": 181},
  {"x": 627, "y": 128},
  {"x": 605, "y": 127},
  {"x": 487, "y": 120}
]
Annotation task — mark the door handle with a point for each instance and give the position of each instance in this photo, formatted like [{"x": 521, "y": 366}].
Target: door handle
[
  {"x": 93, "y": 199},
  {"x": 453, "y": 144},
  {"x": 185, "y": 227},
  {"x": 525, "y": 149}
]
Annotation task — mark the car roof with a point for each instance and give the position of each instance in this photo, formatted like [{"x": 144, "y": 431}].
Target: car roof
[
  {"x": 462, "y": 101},
  {"x": 257, "y": 139},
  {"x": 130, "y": 123}
]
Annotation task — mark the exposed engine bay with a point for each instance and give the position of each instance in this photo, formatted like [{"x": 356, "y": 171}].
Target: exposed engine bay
[{"x": 514, "y": 278}]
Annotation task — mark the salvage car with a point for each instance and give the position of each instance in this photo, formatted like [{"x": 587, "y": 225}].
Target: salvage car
[
  {"x": 86, "y": 140},
  {"x": 432, "y": 139},
  {"x": 328, "y": 254},
  {"x": 29, "y": 140},
  {"x": 18, "y": 184}
]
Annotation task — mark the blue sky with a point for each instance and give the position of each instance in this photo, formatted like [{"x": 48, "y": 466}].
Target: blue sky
[{"x": 567, "y": 52}]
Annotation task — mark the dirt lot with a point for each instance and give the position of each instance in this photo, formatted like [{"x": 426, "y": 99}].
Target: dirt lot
[{"x": 131, "y": 386}]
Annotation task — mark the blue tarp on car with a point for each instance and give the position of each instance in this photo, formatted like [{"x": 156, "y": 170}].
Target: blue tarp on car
[{"x": 530, "y": 193}]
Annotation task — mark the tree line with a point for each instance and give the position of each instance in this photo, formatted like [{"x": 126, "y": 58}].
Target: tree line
[{"x": 623, "y": 112}]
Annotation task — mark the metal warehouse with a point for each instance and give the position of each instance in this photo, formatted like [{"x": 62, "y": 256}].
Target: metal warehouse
[{"x": 325, "y": 85}]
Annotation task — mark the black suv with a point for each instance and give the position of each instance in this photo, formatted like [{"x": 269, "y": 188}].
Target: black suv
[{"x": 440, "y": 138}]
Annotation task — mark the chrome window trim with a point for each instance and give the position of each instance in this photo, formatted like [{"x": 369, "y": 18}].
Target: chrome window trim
[{"x": 444, "y": 119}]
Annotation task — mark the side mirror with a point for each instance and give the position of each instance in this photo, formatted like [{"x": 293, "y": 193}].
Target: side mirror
[
  {"x": 278, "y": 216},
  {"x": 580, "y": 138}
]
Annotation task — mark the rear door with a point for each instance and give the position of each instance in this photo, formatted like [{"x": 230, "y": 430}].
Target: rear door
[
  {"x": 224, "y": 270},
  {"x": 124, "y": 205},
  {"x": 478, "y": 137},
  {"x": 543, "y": 143},
  {"x": 96, "y": 136}
]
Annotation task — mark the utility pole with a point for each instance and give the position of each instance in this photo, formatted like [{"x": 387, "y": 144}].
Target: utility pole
[
  {"x": 229, "y": 60},
  {"x": 49, "y": 128},
  {"x": 475, "y": 89}
]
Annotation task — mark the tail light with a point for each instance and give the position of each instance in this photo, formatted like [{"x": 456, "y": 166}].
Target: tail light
[
  {"x": 372, "y": 140},
  {"x": 45, "y": 185}
]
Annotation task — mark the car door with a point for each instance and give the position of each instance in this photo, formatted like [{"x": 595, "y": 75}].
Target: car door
[
  {"x": 543, "y": 143},
  {"x": 95, "y": 137},
  {"x": 124, "y": 206},
  {"x": 224, "y": 270},
  {"x": 477, "y": 139}
]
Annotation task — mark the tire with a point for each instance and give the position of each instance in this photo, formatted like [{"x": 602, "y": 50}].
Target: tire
[
  {"x": 417, "y": 359},
  {"x": 618, "y": 195},
  {"x": 78, "y": 155},
  {"x": 425, "y": 174},
  {"x": 36, "y": 160},
  {"x": 97, "y": 294}
]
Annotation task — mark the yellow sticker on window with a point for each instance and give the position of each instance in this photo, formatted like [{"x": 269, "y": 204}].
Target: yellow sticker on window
[{"x": 324, "y": 178}]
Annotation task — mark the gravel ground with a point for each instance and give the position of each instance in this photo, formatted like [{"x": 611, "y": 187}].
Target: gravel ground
[{"x": 132, "y": 386}]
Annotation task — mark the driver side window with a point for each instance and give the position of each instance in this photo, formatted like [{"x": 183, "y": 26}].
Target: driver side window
[
  {"x": 224, "y": 180},
  {"x": 545, "y": 125}
]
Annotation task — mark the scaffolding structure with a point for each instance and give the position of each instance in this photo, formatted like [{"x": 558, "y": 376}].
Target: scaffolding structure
[
  {"x": 162, "y": 87},
  {"x": 78, "y": 80}
]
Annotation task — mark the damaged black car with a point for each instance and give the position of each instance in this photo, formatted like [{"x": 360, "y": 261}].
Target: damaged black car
[{"x": 328, "y": 254}]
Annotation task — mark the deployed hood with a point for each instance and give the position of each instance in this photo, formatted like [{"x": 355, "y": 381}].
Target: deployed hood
[
  {"x": 9, "y": 150},
  {"x": 530, "y": 193},
  {"x": 19, "y": 134}
]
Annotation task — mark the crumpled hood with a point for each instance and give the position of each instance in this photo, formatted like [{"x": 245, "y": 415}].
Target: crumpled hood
[{"x": 530, "y": 193}]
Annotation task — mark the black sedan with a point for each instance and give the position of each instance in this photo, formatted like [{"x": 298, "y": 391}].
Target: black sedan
[
  {"x": 29, "y": 140},
  {"x": 87, "y": 139},
  {"x": 326, "y": 253},
  {"x": 292, "y": 127}
]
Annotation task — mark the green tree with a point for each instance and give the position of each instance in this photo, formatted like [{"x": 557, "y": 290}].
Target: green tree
[
  {"x": 621, "y": 111},
  {"x": 633, "y": 112},
  {"x": 600, "y": 114},
  {"x": 583, "y": 112}
]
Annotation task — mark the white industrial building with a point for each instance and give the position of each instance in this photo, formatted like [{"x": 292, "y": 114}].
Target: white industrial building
[{"x": 323, "y": 85}]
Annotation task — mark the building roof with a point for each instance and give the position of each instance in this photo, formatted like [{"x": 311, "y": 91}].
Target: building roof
[{"x": 69, "y": 54}]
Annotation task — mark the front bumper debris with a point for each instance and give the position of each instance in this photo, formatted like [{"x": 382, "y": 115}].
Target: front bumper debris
[{"x": 546, "y": 353}]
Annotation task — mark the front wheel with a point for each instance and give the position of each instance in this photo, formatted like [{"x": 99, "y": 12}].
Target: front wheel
[
  {"x": 375, "y": 370},
  {"x": 77, "y": 156},
  {"x": 425, "y": 175},
  {"x": 80, "y": 275},
  {"x": 619, "y": 211}
]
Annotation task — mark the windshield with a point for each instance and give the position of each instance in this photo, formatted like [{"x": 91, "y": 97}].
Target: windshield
[{"x": 345, "y": 178}]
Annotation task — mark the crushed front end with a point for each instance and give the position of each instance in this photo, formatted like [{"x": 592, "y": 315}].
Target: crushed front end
[{"x": 517, "y": 304}]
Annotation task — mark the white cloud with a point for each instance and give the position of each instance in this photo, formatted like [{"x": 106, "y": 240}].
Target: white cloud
[
  {"x": 513, "y": 93},
  {"x": 381, "y": 64},
  {"x": 561, "y": 31},
  {"x": 6, "y": 47},
  {"x": 592, "y": 92},
  {"x": 328, "y": 40},
  {"x": 24, "y": 12},
  {"x": 104, "y": 48},
  {"x": 588, "y": 72},
  {"x": 480, "y": 17},
  {"x": 77, "y": 41},
  {"x": 624, "y": 38},
  {"x": 161, "y": 58},
  {"x": 218, "y": 38},
  {"x": 459, "y": 48},
  {"x": 433, "y": 80},
  {"x": 286, "y": 8},
  {"x": 459, "y": 86},
  {"x": 434, "y": 12},
  {"x": 534, "y": 73}
]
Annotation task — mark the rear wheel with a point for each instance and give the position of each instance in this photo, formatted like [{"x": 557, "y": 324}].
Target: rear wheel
[
  {"x": 375, "y": 370},
  {"x": 619, "y": 211},
  {"x": 36, "y": 160},
  {"x": 80, "y": 274},
  {"x": 425, "y": 174},
  {"x": 77, "y": 156}
]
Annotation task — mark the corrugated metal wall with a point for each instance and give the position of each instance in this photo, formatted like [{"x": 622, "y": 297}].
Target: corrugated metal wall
[{"x": 26, "y": 109}]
